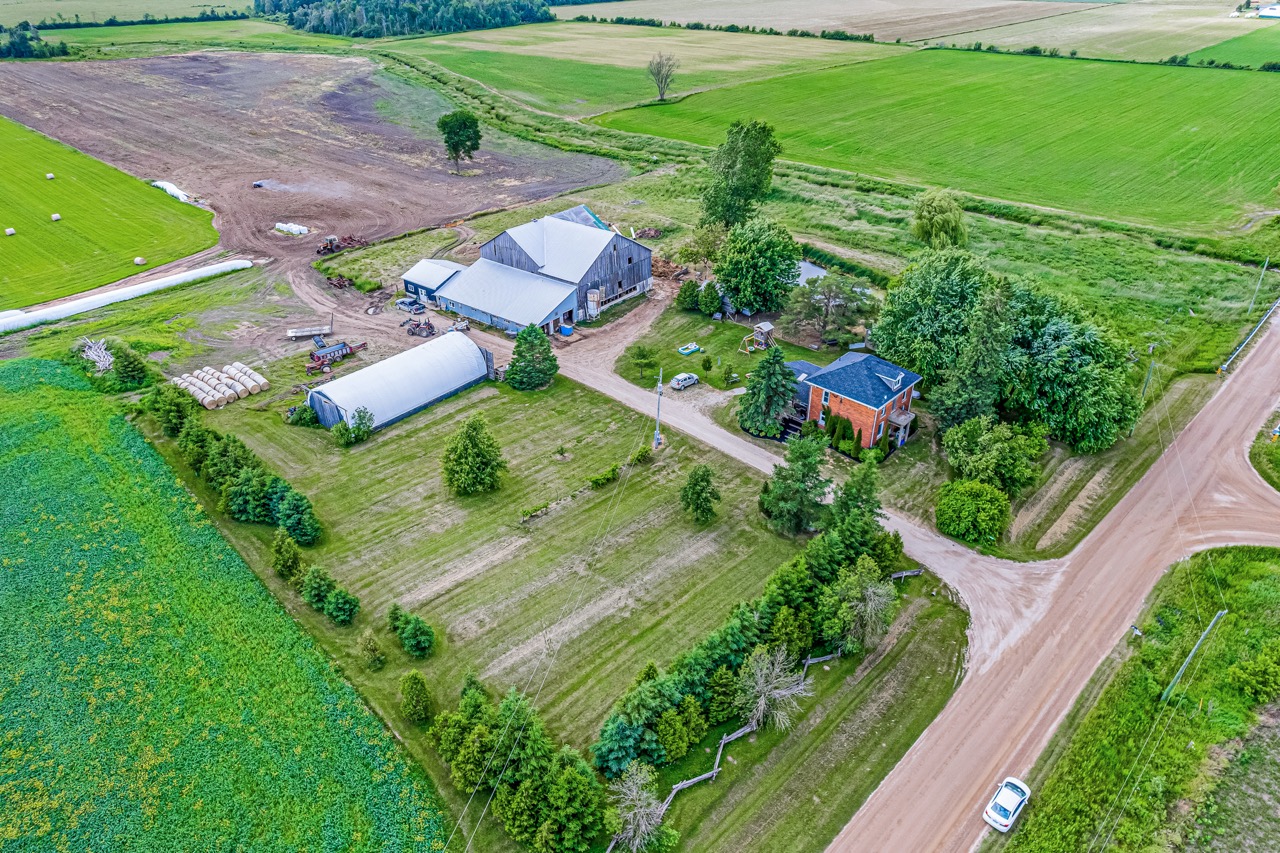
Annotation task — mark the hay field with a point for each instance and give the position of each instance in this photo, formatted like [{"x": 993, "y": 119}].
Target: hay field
[
  {"x": 580, "y": 68},
  {"x": 1252, "y": 49},
  {"x": 14, "y": 11},
  {"x": 619, "y": 575},
  {"x": 108, "y": 218},
  {"x": 1153, "y": 144},
  {"x": 153, "y": 695},
  {"x": 887, "y": 19},
  {"x": 251, "y": 33},
  {"x": 1145, "y": 30}
]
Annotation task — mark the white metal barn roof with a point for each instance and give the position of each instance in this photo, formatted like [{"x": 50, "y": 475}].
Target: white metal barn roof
[
  {"x": 561, "y": 249},
  {"x": 524, "y": 298},
  {"x": 432, "y": 272},
  {"x": 402, "y": 384}
]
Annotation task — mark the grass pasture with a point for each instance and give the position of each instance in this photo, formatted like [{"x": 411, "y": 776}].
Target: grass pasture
[
  {"x": 646, "y": 580},
  {"x": 108, "y": 218},
  {"x": 1251, "y": 49},
  {"x": 580, "y": 68},
  {"x": 15, "y": 11},
  {"x": 249, "y": 34},
  {"x": 1010, "y": 127},
  {"x": 153, "y": 694}
]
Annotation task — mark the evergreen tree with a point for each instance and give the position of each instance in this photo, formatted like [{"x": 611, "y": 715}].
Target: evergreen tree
[
  {"x": 172, "y": 407},
  {"x": 461, "y": 132},
  {"x": 371, "y": 654},
  {"x": 341, "y": 606},
  {"x": 709, "y": 299},
  {"x": 700, "y": 495},
  {"x": 416, "y": 636},
  {"x": 533, "y": 365},
  {"x": 649, "y": 673},
  {"x": 394, "y": 617},
  {"x": 695, "y": 724},
  {"x": 722, "y": 688},
  {"x": 130, "y": 368},
  {"x": 672, "y": 734},
  {"x": 316, "y": 586},
  {"x": 793, "y": 498},
  {"x": 298, "y": 518},
  {"x": 770, "y": 390},
  {"x": 286, "y": 557},
  {"x": 687, "y": 296},
  {"x": 575, "y": 807},
  {"x": 791, "y": 631},
  {"x": 194, "y": 441},
  {"x": 415, "y": 697},
  {"x": 522, "y": 809},
  {"x": 741, "y": 173},
  {"x": 468, "y": 767},
  {"x": 227, "y": 456},
  {"x": 521, "y": 735},
  {"x": 244, "y": 497},
  {"x": 473, "y": 461},
  {"x": 758, "y": 266}
]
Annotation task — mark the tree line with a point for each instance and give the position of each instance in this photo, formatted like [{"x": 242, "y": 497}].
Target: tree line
[
  {"x": 381, "y": 18},
  {"x": 75, "y": 23},
  {"x": 24, "y": 42}
]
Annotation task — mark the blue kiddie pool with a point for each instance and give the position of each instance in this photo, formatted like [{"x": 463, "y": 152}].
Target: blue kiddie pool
[
  {"x": 566, "y": 330},
  {"x": 688, "y": 349}
]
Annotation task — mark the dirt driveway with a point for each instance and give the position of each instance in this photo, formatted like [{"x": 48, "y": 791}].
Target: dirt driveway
[{"x": 309, "y": 126}]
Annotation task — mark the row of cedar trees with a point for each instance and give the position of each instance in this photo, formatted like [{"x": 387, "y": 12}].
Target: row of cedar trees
[{"x": 816, "y": 601}]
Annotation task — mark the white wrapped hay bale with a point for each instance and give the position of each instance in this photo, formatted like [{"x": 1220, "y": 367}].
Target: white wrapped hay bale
[
  {"x": 9, "y": 232},
  {"x": 48, "y": 176},
  {"x": 139, "y": 261},
  {"x": 57, "y": 217}
]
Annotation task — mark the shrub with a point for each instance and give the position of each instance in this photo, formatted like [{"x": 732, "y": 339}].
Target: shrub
[
  {"x": 526, "y": 514},
  {"x": 599, "y": 481},
  {"x": 1259, "y": 676},
  {"x": 304, "y": 416},
  {"x": 341, "y": 606},
  {"x": 641, "y": 456},
  {"x": 687, "y": 298},
  {"x": 850, "y": 448},
  {"x": 342, "y": 434},
  {"x": 972, "y": 511},
  {"x": 371, "y": 654},
  {"x": 416, "y": 636},
  {"x": 286, "y": 558}
]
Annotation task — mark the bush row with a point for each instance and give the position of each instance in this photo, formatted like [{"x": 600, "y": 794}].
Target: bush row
[{"x": 835, "y": 35}]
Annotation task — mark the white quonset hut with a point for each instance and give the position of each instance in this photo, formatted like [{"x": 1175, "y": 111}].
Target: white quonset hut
[{"x": 397, "y": 387}]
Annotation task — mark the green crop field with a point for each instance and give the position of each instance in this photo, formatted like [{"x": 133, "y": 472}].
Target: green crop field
[
  {"x": 581, "y": 68},
  {"x": 1251, "y": 49},
  {"x": 153, "y": 694},
  {"x": 259, "y": 35},
  {"x": 108, "y": 219},
  {"x": 1161, "y": 145}
]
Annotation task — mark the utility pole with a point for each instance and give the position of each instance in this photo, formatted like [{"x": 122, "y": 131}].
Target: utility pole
[
  {"x": 1266, "y": 264},
  {"x": 1151, "y": 362},
  {"x": 657, "y": 423}
]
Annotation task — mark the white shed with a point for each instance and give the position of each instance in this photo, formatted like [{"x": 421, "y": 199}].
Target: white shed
[{"x": 404, "y": 384}]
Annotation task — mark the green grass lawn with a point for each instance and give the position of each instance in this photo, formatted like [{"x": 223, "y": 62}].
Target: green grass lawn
[
  {"x": 721, "y": 341},
  {"x": 1251, "y": 49},
  {"x": 793, "y": 791},
  {"x": 1232, "y": 819},
  {"x": 385, "y": 263},
  {"x": 1110, "y": 779},
  {"x": 154, "y": 694},
  {"x": 1265, "y": 453},
  {"x": 108, "y": 219},
  {"x": 582, "y": 68},
  {"x": 1162, "y": 145}
]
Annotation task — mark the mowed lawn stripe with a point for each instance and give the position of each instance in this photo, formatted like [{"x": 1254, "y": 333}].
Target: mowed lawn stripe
[
  {"x": 1163, "y": 145},
  {"x": 108, "y": 219}
]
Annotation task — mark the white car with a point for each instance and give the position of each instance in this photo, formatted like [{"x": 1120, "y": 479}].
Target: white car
[
  {"x": 684, "y": 380},
  {"x": 1006, "y": 804}
]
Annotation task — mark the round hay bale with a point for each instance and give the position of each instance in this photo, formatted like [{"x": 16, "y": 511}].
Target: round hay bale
[
  {"x": 56, "y": 217},
  {"x": 138, "y": 262},
  {"x": 9, "y": 232},
  {"x": 48, "y": 176}
]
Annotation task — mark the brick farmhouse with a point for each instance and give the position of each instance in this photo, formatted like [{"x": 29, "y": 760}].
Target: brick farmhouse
[{"x": 872, "y": 393}]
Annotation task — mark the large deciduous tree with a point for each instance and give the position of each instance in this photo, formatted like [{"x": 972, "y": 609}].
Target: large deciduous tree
[
  {"x": 939, "y": 220},
  {"x": 461, "y": 132},
  {"x": 533, "y": 364},
  {"x": 769, "y": 688},
  {"x": 741, "y": 172},
  {"x": 770, "y": 390},
  {"x": 831, "y": 301},
  {"x": 662, "y": 70},
  {"x": 792, "y": 498},
  {"x": 999, "y": 454},
  {"x": 758, "y": 266},
  {"x": 473, "y": 460}
]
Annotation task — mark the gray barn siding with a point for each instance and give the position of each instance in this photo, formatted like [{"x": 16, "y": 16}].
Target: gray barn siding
[
  {"x": 611, "y": 267},
  {"x": 504, "y": 250}
]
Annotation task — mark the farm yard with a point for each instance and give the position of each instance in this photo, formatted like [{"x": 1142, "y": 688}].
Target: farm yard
[
  {"x": 887, "y": 21},
  {"x": 913, "y": 120},
  {"x": 1147, "y": 32},
  {"x": 566, "y": 68},
  {"x": 107, "y": 219},
  {"x": 154, "y": 691}
]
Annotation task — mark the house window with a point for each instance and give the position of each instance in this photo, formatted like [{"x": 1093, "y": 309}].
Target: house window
[
  {"x": 880, "y": 430},
  {"x": 826, "y": 397}
]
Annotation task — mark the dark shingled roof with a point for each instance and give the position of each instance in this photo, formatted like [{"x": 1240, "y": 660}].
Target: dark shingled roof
[{"x": 858, "y": 376}]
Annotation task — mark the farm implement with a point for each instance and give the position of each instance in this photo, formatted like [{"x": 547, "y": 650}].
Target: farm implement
[
  {"x": 324, "y": 357},
  {"x": 333, "y": 243}
]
